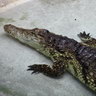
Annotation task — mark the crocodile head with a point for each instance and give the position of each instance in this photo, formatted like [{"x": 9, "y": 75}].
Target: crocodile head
[{"x": 33, "y": 37}]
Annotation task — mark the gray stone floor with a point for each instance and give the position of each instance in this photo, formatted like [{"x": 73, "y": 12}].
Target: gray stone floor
[{"x": 57, "y": 16}]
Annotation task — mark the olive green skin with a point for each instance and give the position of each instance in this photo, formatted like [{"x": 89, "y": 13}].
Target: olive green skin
[{"x": 67, "y": 54}]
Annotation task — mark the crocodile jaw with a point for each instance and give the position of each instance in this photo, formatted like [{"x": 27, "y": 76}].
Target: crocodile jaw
[{"x": 26, "y": 36}]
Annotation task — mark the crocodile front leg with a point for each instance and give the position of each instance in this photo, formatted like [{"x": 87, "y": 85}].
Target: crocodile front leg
[
  {"x": 54, "y": 71},
  {"x": 87, "y": 39},
  {"x": 57, "y": 69}
]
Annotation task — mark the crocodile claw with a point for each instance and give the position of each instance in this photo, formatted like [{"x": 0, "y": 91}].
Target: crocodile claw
[
  {"x": 33, "y": 68},
  {"x": 84, "y": 35}
]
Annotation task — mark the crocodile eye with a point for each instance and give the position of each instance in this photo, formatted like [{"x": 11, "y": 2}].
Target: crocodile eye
[{"x": 46, "y": 31}]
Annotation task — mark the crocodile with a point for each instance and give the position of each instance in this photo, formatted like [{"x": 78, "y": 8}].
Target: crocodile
[{"x": 78, "y": 58}]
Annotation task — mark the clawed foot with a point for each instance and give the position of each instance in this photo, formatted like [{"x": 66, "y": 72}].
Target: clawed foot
[
  {"x": 84, "y": 37},
  {"x": 33, "y": 68},
  {"x": 53, "y": 71}
]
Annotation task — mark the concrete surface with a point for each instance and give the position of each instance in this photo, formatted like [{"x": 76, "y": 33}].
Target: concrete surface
[{"x": 66, "y": 17}]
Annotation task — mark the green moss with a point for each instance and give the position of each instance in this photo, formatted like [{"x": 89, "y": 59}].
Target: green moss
[
  {"x": 5, "y": 90},
  {"x": 2, "y": 19},
  {"x": 9, "y": 91},
  {"x": 5, "y": 20},
  {"x": 9, "y": 20}
]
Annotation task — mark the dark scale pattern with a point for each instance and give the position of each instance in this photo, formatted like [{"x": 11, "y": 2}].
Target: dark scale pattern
[
  {"x": 67, "y": 53},
  {"x": 60, "y": 43},
  {"x": 87, "y": 57}
]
